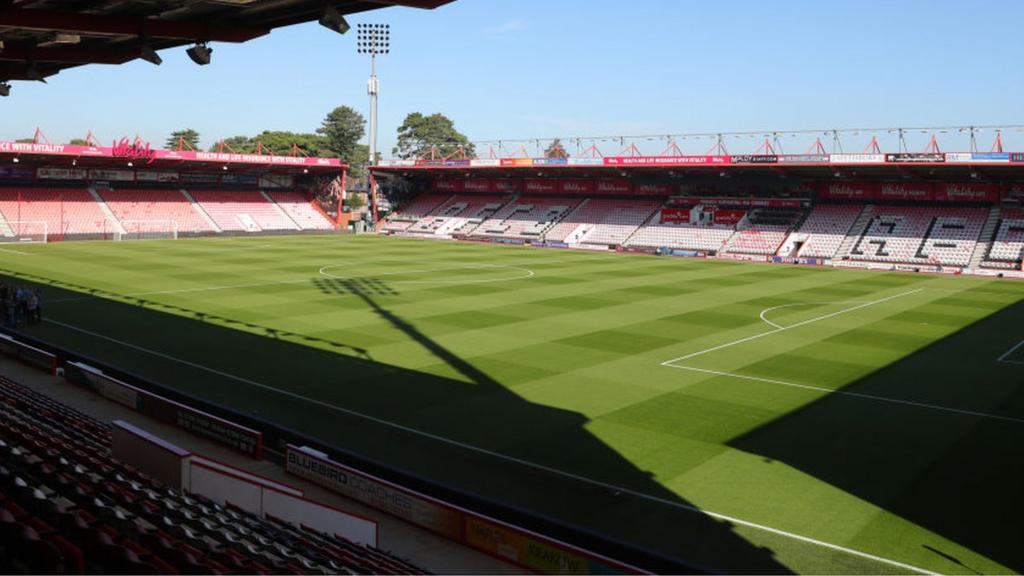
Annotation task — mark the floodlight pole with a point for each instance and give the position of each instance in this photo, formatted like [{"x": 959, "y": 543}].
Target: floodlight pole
[
  {"x": 373, "y": 39},
  {"x": 373, "y": 89}
]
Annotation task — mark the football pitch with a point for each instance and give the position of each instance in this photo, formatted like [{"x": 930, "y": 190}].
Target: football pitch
[{"x": 746, "y": 417}]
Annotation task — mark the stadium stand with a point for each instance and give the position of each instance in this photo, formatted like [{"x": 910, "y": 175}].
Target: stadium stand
[
  {"x": 458, "y": 214},
  {"x": 916, "y": 234},
  {"x": 758, "y": 239},
  {"x": 1007, "y": 249},
  {"x": 417, "y": 209},
  {"x": 526, "y": 218},
  {"x": 242, "y": 211},
  {"x": 66, "y": 506},
  {"x": 300, "y": 210},
  {"x": 823, "y": 231},
  {"x": 5, "y": 229},
  {"x": 682, "y": 236},
  {"x": 603, "y": 221},
  {"x": 65, "y": 210},
  {"x": 155, "y": 206}
]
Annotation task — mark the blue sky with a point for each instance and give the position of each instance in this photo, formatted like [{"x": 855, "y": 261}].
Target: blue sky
[{"x": 544, "y": 68}]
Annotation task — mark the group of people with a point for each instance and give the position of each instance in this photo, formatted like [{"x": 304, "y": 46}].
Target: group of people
[{"x": 20, "y": 305}]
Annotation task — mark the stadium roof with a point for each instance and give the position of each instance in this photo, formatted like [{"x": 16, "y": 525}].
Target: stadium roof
[
  {"x": 994, "y": 166},
  {"x": 39, "y": 38},
  {"x": 139, "y": 155}
]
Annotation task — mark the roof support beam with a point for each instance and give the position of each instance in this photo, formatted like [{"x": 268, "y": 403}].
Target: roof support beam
[
  {"x": 98, "y": 24},
  {"x": 68, "y": 55},
  {"x": 9, "y": 71}
]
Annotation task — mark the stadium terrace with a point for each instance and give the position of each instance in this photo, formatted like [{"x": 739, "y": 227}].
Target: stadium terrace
[{"x": 924, "y": 212}]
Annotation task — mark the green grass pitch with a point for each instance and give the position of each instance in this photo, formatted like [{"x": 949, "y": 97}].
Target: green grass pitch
[{"x": 824, "y": 420}]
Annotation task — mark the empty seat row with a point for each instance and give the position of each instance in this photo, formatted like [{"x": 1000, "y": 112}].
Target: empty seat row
[
  {"x": 683, "y": 236},
  {"x": 758, "y": 239},
  {"x": 144, "y": 209},
  {"x": 242, "y": 211},
  {"x": 921, "y": 234},
  {"x": 67, "y": 506},
  {"x": 527, "y": 218},
  {"x": 824, "y": 230},
  {"x": 1007, "y": 247},
  {"x": 63, "y": 210},
  {"x": 301, "y": 210},
  {"x": 606, "y": 221}
]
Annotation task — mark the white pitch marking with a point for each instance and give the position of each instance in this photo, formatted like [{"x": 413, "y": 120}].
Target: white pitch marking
[
  {"x": 15, "y": 251},
  {"x": 672, "y": 364},
  {"x": 790, "y": 327},
  {"x": 854, "y": 394},
  {"x": 529, "y": 274},
  {"x": 774, "y": 325},
  {"x": 1008, "y": 352},
  {"x": 506, "y": 457}
]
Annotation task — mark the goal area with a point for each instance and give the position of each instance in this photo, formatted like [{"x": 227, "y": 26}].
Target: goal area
[
  {"x": 24, "y": 231},
  {"x": 148, "y": 230}
]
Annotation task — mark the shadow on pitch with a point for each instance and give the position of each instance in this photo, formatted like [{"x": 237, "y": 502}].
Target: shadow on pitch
[
  {"x": 69, "y": 291},
  {"x": 956, "y": 475},
  {"x": 665, "y": 532}
]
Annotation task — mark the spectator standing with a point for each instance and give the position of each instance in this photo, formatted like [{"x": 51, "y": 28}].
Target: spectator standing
[{"x": 31, "y": 308}]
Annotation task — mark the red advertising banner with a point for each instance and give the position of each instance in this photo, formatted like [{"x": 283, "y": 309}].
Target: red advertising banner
[
  {"x": 517, "y": 161},
  {"x": 665, "y": 160},
  {"x": 847, "y": 190},
  {"x": 967, "y": 192},
  {"x": 448, "y": 186},
  {"x": 540, "y": 186},
  {"x": 613, "y": 187},
  {"x": 906, "y": 191},
  {"x": 508, "y": 186},
  {"x": 576, "y": 186},
  {"x": 653, "y": 189},
  {"x": 142, "y": 152},
  {"x": 1014, "y": 191},
  {"x": 675, "y": 215},
  {"x": 482, "y": 186},
  {"x": 739, "y": 202},
  {"x": 730, "y": 217}
]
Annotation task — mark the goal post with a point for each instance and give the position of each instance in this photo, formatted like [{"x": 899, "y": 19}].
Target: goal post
[
  {"x": 148, "y": 230},
  {"x": 25, "y": 231}
]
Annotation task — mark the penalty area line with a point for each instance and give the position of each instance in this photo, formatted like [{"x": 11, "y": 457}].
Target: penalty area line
[
  {"x": 674, "y": 363},
  {"x": 505, "y": 457},
  {"x": 1010, "y": 352},
  {"x": 789, "y": 327}
]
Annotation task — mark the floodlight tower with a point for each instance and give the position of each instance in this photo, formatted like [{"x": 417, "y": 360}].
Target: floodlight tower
[{"x": 373, "y": 39}]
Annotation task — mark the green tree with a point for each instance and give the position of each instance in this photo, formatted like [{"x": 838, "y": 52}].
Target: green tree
[
  {"x": 354, "y": 202},
  {"x": 419, "y": 134},
  {"x": 281, "y": 142},
  {"x": 239, "y": 144},
  {"x": 25, "y": 140},
  {"x": 342, "y": 129},
  {"x": 78, "y": 142},
  {"x": 188, "y": 136},
  {"x": 358, "y": 161},
  {"x": 556, "y": 150}
]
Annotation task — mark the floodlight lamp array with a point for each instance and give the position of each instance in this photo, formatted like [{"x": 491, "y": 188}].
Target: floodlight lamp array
[{"x": 373, "y": 38}]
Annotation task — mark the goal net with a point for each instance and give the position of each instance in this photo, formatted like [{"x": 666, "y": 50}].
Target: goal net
[
  {"x": 25, "y": 231},
  {"x": 148, "y": 230}
]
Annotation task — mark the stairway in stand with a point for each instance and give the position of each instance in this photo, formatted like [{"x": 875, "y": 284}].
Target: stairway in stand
[
  {"x": 988, "y": 231},
  {"x": 856, "y": 231}
]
